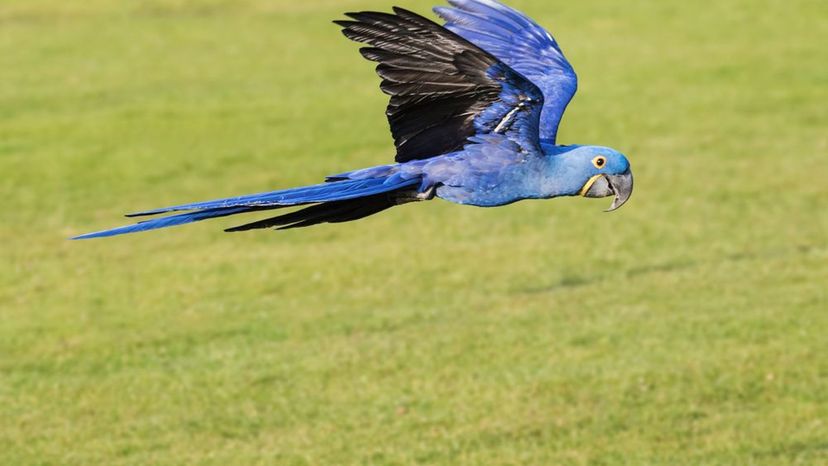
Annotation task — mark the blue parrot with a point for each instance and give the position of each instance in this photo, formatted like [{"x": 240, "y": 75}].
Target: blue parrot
[{"x": 474, "y": 111}]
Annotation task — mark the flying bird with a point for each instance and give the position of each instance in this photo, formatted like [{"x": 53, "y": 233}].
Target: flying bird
[{"x": 474, "y": 111}]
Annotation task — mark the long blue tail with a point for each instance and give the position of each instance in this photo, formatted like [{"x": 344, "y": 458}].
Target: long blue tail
[{"x": 337, "y": 201}]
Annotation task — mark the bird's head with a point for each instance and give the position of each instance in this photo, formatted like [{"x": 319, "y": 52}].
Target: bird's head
[{"x": 601, "y": 172}]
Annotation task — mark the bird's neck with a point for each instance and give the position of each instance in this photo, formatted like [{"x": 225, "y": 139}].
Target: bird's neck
[{"x": 560, "y": 175}]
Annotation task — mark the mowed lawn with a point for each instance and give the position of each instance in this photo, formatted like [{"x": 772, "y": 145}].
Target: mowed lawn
[{"x": 688, "y": 328}]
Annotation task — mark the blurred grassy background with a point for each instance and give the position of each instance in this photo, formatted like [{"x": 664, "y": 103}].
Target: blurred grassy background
[{"x": 686, "y": 329}]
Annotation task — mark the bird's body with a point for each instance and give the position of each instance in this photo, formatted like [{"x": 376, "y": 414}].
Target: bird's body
[
  {"x": 474, "y": 111},
  {"x": 493, "y": 174}
]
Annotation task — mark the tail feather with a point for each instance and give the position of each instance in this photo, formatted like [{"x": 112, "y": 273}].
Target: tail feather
[
  {"x": 324, "y": 192},
  {"x": 164, "y": 222},
  {"x": 339, "y": 201},
  {"x": 328, "y": 212}
]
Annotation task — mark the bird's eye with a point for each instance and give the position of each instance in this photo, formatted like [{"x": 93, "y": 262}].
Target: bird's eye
[{"x": 599, "y": 162}]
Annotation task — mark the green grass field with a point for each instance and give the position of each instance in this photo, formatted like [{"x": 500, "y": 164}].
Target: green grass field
[{"x": 688, "y": 328}]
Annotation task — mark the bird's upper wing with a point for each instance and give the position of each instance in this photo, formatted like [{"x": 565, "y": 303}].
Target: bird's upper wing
[
  {"x": 444, "y": 89},
  {"x": 522, "y": 44}
]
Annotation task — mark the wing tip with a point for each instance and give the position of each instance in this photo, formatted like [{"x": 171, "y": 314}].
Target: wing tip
[{"x": 440, "y": 10}]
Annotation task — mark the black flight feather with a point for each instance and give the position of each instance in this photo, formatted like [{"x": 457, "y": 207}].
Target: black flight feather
[
  {"x": 328, "y": 212},
  {"x": 438, "y": 81}
]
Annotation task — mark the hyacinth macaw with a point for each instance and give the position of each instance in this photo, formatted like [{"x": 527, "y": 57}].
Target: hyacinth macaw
[{"x": 474, "y": 112}]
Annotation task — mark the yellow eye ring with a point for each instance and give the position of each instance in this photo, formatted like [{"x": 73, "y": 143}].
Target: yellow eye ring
[{"x": 599, "y": 162}]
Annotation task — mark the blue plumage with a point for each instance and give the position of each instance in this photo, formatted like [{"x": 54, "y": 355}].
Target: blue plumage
[
  {"x": 335, "y": 191},
  {"x": 164, "y": 222},
  {"x": 474, "y": 109},
  {"x": 338, "y": 191},
  {"x": 521, "y": 43}
]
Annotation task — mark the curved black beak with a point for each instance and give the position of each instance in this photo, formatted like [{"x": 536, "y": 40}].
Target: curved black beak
[{"x": 620, "y": 186}]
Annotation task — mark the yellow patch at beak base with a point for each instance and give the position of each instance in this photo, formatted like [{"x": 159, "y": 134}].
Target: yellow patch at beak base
[{"x": 589, "y": 184}]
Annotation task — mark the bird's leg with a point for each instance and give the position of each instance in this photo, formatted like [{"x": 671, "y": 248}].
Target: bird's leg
[
  {"x": 414, "y": 196},
  {"x": 428, "y": 194}
]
